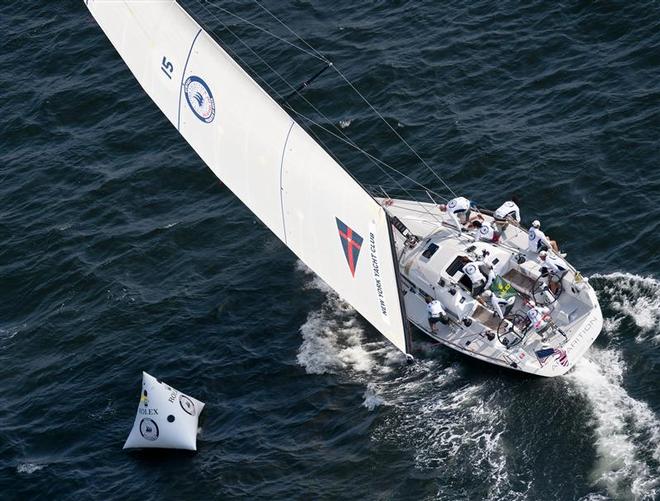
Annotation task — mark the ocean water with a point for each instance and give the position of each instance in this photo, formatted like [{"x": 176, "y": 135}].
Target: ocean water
[{"x": 121, "y": 252}]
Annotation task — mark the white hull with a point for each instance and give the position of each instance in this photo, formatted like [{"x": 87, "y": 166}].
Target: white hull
[{"x": 575, "y": 313}]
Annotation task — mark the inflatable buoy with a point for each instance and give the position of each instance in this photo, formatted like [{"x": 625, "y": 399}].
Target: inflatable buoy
[{"x": 166, "y": 418}]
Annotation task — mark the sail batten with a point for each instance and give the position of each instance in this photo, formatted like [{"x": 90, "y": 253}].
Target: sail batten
[{"x": 262, "y": 155}]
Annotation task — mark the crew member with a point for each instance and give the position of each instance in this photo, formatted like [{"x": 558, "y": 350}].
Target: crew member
[
  {"x": 506, "y": 213},
  {"x": 539, "y": 317},
  {"x": 480, "y": 275},
  {"x": 554, "y": 267},
  {"x": 538, "y": 241},
  {"x": 485, "y": 232},
  {"x": 436, "y": 313},
  {"x": 458, "y": 209}
]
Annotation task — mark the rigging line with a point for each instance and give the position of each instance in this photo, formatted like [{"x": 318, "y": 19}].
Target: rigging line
[
  {"x": 264, "y": 30},
  {"x": 376, "y": 162},
  {"x": 359, "y": 94},
  {"x": 235, "y": 55},
  {"x": 394, "y": 130},
  {"x": 347, "y": 140},
  {"x": 321, "y": 56},
  {"x": 278, "y": 94}
]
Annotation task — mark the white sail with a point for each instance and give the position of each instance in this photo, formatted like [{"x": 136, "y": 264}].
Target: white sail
[{"x": 322, "y": 214}]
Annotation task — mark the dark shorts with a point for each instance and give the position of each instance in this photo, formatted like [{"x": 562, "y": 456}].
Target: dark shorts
[
  {"x": 434, "y": 320},
  {"x": 540, "y": 246}
]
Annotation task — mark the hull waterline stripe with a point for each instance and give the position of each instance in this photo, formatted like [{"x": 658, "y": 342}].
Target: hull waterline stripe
[
  {"x": 183, "y": 75},
  {"x": 286, "y": 141}
]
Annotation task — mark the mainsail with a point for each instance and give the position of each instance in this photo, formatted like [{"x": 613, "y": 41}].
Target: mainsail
[{"x": 262, "y": 155}]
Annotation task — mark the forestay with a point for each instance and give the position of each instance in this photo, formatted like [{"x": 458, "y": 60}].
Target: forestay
[{"x": 322, "y": 214}]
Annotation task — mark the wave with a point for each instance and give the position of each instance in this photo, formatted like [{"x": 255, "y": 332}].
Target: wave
[
  {"x": 29, "y": 468},
  {"x": 627, "y": 430},
  {"x": 334, "y": 338},
  {"x": 635, "y": 297},
  {"x": 431, "y": 410},
  {"x": 451, "y": 422}
]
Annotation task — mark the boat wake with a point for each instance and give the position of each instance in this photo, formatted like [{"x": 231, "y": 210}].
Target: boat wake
[
  {"x": 454, "y": 424},
  {"x": 627, "y": 431},
  {"x": 430, "y": 409}
]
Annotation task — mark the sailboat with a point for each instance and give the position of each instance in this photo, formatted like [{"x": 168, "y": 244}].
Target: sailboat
[{"x": 387, "y": 257}]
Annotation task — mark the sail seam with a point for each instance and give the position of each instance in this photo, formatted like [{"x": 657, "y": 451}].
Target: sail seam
[
  {"x": 183, "y": 75},
  {"x": 286, "y": 141}
]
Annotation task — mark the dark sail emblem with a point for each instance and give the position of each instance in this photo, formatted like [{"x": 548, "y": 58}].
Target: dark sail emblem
[{"x": 351, "y": 242}]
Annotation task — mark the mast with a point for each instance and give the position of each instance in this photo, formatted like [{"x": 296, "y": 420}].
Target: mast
[{"x": 399, "y": 288}]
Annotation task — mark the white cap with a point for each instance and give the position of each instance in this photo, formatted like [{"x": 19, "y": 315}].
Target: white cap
[
  {"x": 543, "y": 254},
  {"x": 536, "y": 223}
]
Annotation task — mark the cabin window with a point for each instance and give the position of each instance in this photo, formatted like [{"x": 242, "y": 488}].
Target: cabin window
[
  {"x": 429, "y": 251},
  {"x": 456, "y": 265}
]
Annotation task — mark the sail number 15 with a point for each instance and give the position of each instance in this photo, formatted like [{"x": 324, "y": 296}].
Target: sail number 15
[{"x": 167, "y": 67}]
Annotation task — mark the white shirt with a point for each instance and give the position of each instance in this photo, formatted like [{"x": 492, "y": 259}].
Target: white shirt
[
  {"x": 473, "y": 273},
  {"x": 435, "y": 309},
  {"x": 486, "y": 232},
  {"x": 458, "y": 204},
  {"x": 508, "y": 209},
  {"x": 536, "y": 314},
  {"x": 455, "y": 206},
  {"x": 534, "y": 236},
  {"x": 554, "y": 264}
]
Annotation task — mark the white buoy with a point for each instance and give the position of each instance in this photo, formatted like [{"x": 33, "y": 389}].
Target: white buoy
[{"x": 166, "y": 418}]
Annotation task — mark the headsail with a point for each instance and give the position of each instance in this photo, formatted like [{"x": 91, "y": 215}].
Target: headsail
[{"x": 292, "y": 184}]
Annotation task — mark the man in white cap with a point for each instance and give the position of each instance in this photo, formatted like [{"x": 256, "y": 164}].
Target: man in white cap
[
  {"x": 538, "y": 241},
  {"x": 553, "y": 266}
]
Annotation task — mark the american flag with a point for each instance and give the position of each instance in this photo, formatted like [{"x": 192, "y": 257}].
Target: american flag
[{"x": 561, "y": 356}]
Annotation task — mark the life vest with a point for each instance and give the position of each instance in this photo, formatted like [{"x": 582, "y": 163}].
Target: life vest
[{"x": 473, "y": 273}]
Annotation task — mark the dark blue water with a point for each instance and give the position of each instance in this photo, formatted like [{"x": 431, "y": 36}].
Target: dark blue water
[{"x": 121, "y": 252}]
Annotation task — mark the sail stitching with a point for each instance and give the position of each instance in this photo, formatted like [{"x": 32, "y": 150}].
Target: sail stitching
[
  {"x": 183, "y": 75},
  {"x": 286, "y": 141}
]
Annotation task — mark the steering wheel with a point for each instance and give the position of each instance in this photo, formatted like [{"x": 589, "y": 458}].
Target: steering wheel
[
  {"x": 542, "y": 294},
  {"x": 515, "y": 325}
]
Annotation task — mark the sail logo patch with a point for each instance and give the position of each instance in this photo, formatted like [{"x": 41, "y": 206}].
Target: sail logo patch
[
  {"x": 200, "y": 98},
  {"x": 351, "y": 243}
]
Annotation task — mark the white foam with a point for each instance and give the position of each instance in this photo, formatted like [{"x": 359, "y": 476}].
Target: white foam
[
  {"x": 345, "y": 123},
  {"x": 627, "y": 430},
  {"x": 371, "y": 397},
  {"x": 29, "y": 468},
  {"x": 433, "y": 417},
  {"x": 9, "y": 333},
  {"x": 636, "y": 297},
  {"x": 334, "y": 338}
]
